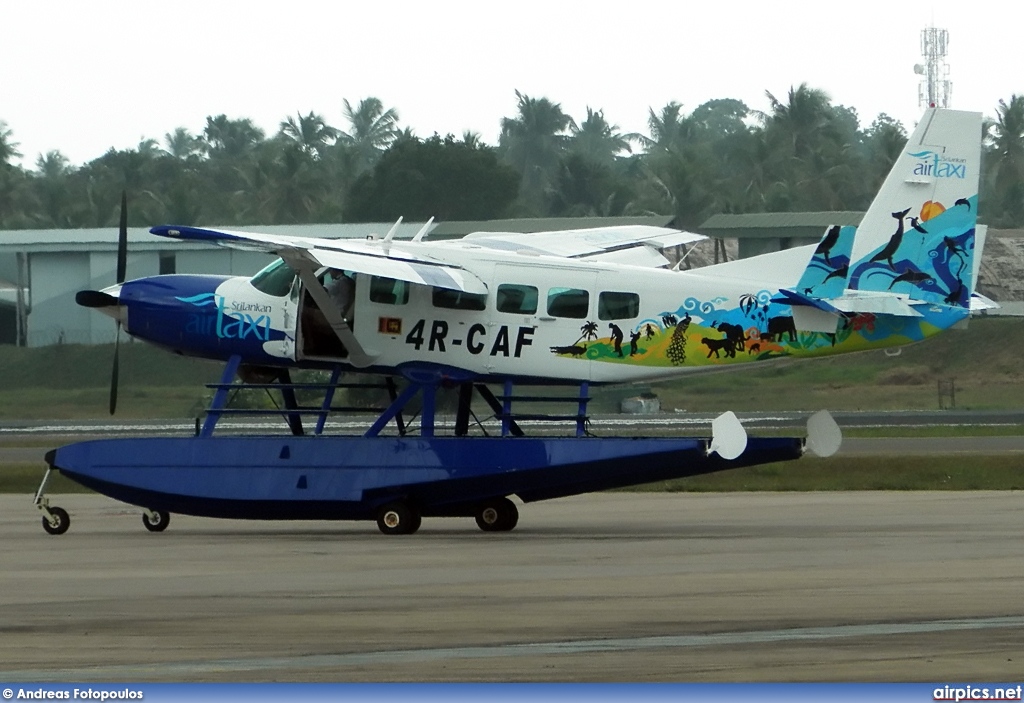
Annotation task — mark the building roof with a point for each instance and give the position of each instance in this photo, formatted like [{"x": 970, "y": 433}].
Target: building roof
[
  {"x": 767, "y": 224},
  {"x": 445, "y": 230}
]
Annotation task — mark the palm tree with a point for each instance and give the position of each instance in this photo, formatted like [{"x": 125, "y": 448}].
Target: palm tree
[
  {"x": 533, "y": 143},
  {"x": 311, "y": 134},
  {"x": 670, "y": 130},
  {"x": 596, "y": 140},
  {"x": 231, "y": 139},
  {"x": 53, "y": 165},
  {"x": 1008, "y": 142},
  {"x": 372, "y": 130},
  {"x": 801, "y": 120},
  {"x": 811, "y": 152},
  {"x": 51, "y": 186},
  {"x": 884, "y": 141},
  {"x": 181, "y": 144},
  {"x": 8, "y": 147}
]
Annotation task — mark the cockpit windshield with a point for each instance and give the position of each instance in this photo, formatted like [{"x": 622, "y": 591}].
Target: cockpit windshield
[{"x": 275, "y": 279}]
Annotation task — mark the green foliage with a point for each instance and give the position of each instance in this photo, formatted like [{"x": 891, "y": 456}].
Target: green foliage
[
  {"x": 909, "y": 473},
  {"x": 803, "y": 154},
  {"x": 443, "y": 178}
]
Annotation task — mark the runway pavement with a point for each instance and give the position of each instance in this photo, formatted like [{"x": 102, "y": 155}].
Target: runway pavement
[{"x": 607, "y": 587}]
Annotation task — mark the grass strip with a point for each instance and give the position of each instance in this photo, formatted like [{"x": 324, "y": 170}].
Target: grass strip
[{"x": 909, "y": 473}]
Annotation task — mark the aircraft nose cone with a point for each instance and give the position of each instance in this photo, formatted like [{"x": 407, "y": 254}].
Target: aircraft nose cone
[
  {"x": 106, "y": 301},
  {"x": 95, "y": 299}
]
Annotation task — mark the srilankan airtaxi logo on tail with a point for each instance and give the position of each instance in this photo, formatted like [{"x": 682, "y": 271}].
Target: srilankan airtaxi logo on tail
[{"x": 936, "y": 165}]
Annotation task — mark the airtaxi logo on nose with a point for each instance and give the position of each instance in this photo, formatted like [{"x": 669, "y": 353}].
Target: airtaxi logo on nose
[
  {"x": 936, "y": 165},
  {"x": 227, "y": 324}
]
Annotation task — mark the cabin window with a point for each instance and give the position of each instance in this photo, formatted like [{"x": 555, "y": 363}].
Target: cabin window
[
  {"x": 389, "y": 291},
  {"x": 618, "y": 306},
  {"x": 568, "y": 302},
  {"x": 516, "y": 299},
  {"x": 276, "y": 279},
  {"x": 458, "y": 300}
]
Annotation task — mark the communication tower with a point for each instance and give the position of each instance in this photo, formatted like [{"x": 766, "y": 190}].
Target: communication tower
[{"x": 935, "y": 88}]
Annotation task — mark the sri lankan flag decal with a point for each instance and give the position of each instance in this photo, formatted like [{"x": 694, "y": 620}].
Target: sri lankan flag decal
[{"x": 389, "y": 325}]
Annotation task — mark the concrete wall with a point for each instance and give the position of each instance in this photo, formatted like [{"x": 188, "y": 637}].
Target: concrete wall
[
  {"x": 55, "y": 318},
  {"x": 754, "y": 246}
]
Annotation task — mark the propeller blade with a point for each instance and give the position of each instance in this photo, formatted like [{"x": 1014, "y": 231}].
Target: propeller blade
[
  {"x": 114, "y": 373},
  {"x": 122, "y": 239}
]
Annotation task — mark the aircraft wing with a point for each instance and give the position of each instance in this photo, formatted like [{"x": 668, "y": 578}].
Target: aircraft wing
[
  {"x": 376, "y": 258},
  {"x": 636, "y": 245}
]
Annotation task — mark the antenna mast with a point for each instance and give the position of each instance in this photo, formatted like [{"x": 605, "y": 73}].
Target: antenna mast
[{"x": 935, "y": 88}]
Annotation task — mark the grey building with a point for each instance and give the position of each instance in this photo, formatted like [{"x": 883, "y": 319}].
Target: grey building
[{"x": 760, "y": 233}]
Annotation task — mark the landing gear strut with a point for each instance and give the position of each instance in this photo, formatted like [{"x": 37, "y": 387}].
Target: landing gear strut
[{"x": 56, "y": 521}]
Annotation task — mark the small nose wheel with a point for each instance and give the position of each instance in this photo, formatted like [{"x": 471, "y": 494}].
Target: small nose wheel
[
  {"x": 58, "y": 521},
  {"x": 156, "y": 520},
  {"x": 55, "y": 520}
]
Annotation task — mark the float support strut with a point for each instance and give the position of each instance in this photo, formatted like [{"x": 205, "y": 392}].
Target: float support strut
[{"x": 220, "y": 398}]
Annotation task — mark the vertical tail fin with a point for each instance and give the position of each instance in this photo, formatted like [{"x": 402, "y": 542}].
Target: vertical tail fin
[
  {"x": 829, "y": 268},
  {"x": 918, "y": 237}
]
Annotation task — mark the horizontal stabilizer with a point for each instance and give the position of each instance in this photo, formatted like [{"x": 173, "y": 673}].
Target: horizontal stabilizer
[
  {"x": 881, "y": 304},
  {"x": 980, "y": 302},
  {"x": 795, "y": 298}
]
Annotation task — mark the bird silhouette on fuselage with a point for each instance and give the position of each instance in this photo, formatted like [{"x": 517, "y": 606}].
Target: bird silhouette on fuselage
[{"x": 889, "y": 250}]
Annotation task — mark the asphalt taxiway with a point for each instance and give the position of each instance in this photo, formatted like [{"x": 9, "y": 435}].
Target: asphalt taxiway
[{"x": 875, "y": 586}]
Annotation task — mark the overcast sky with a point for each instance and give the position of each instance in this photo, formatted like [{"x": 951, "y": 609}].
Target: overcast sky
[{"x": 85, "y": 76}]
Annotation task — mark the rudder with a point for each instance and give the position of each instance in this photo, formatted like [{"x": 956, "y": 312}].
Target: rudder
[{"x": 918, "y": 237}]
